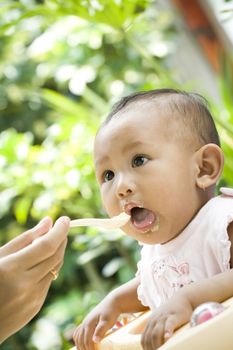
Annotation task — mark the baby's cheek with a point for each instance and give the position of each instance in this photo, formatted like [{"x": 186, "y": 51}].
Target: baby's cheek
[{"x": 109, "y": 206}]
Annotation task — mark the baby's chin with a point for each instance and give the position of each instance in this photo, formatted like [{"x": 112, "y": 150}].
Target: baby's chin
[{"x": 147, "y": 237}]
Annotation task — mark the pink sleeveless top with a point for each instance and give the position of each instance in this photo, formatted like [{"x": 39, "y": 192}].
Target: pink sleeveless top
[{"x": 200, "y": 251}]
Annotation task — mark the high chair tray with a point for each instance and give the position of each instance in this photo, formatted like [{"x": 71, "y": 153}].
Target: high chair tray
[{"x": 214, "y": 334}]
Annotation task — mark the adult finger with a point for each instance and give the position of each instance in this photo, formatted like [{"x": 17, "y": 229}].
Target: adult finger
[
  {"x": 41, "y": 291},
  {"x": 44, "y": 284},
  {"x": 46, "y": 246},
  {"x": 39, "y": 271},
  {"x": 27, "y": 237}
]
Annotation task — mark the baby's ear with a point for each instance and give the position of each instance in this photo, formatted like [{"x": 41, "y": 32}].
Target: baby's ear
[{"x": 210, "y": 161}]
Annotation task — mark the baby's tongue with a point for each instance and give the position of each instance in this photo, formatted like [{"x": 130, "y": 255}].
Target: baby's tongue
[{"x": 142, "y": 218}]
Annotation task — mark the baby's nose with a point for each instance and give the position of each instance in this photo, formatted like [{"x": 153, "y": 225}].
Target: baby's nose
[{"x": 125, "y": 187}]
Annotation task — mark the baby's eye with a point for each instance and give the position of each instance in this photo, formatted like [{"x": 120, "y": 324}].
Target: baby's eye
[
  {"x": 108, "y": 175},
  {"x": 139, "y": 160}
]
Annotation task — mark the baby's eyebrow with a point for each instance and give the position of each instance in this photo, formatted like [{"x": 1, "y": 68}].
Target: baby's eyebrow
[
  {"x": 131, "y": 145},
  {"x": 102, "y": 160}
]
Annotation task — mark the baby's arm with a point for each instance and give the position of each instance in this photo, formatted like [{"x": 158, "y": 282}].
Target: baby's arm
[
  {"x": 178, "y": 309},
  {"x": 121, "y": 300}
]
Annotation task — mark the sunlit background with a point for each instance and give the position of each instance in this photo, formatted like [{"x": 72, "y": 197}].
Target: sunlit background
[{"x": 63, "y": 65}]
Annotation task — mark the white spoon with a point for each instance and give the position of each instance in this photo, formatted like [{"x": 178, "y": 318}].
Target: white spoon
[{"x": 110, "y": 223}]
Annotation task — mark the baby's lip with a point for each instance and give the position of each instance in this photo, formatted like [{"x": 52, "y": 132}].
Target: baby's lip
[
  {"x": 145, "y": 224},
  {"x": 129, "y": 206}
]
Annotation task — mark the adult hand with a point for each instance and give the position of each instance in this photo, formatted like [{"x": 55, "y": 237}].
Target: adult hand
[{"x": 25, "y": 272}]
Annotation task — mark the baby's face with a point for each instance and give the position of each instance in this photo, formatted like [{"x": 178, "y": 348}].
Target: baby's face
[{"x": 146, "y": 173}]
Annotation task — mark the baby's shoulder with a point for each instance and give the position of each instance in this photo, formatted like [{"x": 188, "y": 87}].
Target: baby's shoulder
[
  {"x": 226, "y": 191},
  {"x": 223, "y": 203}
]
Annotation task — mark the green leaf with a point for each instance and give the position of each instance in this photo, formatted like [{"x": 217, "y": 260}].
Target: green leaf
[
  {"x": 62, "y": 104},
  {"x": 22, "y": 207}
]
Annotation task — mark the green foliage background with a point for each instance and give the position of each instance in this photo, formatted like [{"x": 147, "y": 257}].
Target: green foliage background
[{"x": 62, "y": 65}]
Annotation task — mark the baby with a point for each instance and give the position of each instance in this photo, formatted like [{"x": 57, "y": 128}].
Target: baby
[{"x": 158, "y": 158}]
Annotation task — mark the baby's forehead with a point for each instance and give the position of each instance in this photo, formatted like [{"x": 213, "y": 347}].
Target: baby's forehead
[
  {"x": 144, "y": 119},
  {"x": 151, "y": 114},
  {"x": 146, "y": 113},
  {"x": 172, "y": 112}
]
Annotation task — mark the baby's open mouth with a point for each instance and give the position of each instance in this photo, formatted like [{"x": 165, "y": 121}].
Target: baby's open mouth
[{"x": 142, "y": 218}]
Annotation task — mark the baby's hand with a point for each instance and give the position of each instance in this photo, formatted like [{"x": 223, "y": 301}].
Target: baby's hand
[
  {"x": 95, "y": 325},
  {"x": 167, "y": 318}
]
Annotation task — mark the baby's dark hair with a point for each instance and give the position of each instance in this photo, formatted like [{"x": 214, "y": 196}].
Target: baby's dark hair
[{"x": 188, "y": 107}]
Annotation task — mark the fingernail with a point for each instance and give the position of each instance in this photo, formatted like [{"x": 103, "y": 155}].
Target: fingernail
[
  {"x": 41, "y": 222},
  {"x": 167, "y": 334},
  {"x": 65, "y": 220},
  {"x": 96, "y": 339}
]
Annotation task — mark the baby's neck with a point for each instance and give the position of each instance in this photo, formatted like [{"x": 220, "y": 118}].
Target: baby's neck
[{"x": 207, "y": 194}]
